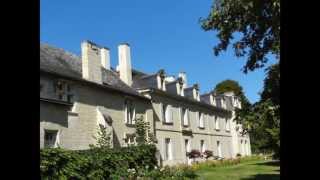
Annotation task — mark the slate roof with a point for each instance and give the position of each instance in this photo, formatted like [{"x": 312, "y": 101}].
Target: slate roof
[{"x": 58, "y": 61}]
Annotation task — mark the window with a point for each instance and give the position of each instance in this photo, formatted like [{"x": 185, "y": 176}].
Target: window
[
  {"x": 187, "y": 145},
  {"x": 63, "y": 91},
  {"x": 185, "y": 117},
  {"x": 202, "y": 146},
  {"x": 168, "y": 151},
  {"x": 130, "y": 113},
  {"x": 241, "y": 147},
  {"x": 219, "y": 149},
  {"x": 50, "y": 138},
  {"x": 161, "y": 82},
  {"x": 167, "y": 113},
  {"x": 201, "y": 120},
  {"x": 227, "y": 125},
  {"x": 181, "y": 91},
  {"x": 130, "y": 139},
  {"x": 197, "y": 95},
  {"x": 245, "y": 147},
  {"x": 216, "y": 120},
  {"x": 218, "y": 102}
]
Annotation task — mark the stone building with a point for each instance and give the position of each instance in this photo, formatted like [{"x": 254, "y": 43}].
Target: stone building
[{"x": 79, "y": 94}]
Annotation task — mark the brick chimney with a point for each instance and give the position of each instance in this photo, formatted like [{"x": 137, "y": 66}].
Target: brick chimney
[
  {"x": 105, "y": 57},
  {"x": 91, "y": 62},
  {"x": 125, "y": 63}
]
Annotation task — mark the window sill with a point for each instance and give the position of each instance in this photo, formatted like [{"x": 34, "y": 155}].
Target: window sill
[
  {"x": 130, "y": 125},
  {"x": 168, "y": 123},
  {"x": 201, "y": 128}
]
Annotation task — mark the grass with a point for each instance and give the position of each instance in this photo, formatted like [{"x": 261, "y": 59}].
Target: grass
[{"x": 250, "y": 170}]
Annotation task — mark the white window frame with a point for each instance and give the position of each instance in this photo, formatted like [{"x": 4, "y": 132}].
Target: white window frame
[
  {"x": 201, "y": 119},
  {"x": 56, "y": 141},
  {"x": 129, "y": 139},
  {"x": 216, "y": 122},
  {"x": 187, "y": 145},
  {"x": 241, "y": 147},
  {"x": 219, "y": 148},
  {"x": 185, "y": 117},
  {"x": 227, "y": 124},
  {"x": 168, "y": 114},
  {"x": 202, "y": 146},
  {"x": 168, "y": 149},
  {"x": 130, "y": 116}
]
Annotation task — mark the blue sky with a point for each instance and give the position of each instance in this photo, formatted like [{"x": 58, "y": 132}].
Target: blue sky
[{"x": 162, "y": 34}]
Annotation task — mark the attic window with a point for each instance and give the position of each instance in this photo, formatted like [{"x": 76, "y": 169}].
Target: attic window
[
  {"x": 63, "y": 91},
  {"x": 218, "y": 102},
  {"x": 181, "y": 89},
  {"x": 162, "y": 83}
]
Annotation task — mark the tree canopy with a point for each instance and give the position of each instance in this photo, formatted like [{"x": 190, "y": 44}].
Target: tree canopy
[
  {"x": 232, "y": 85},
  {"x": 262, "y": 119},
  {"x": 257, "y": 22},
  {"x": 228, "y": 85}
]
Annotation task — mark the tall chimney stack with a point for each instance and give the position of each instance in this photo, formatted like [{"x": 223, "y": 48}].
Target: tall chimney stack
[
  {"x": 91, "y": 65},
  {"x": 105, "y": 57},
  {"x": 125, "y": 63}
]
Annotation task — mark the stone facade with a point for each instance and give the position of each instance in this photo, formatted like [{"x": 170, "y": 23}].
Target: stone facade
[{"x": 77, "y": 95}]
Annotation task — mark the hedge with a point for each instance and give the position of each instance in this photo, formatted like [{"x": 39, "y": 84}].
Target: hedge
[{"x": 97, "y": 163}]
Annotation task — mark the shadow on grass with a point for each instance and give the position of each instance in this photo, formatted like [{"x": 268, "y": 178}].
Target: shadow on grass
[
  {"x": 269, "y": 163},
  {"x": 263, "y": 177}
]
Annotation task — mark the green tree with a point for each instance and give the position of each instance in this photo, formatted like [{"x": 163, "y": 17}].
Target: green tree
[
  {"x": 262, "y": 119},
  {"x": 257, "y": 22},
  {"x": 231, "y": 85},
  {"x": 103, "y": 139},
  {"x": 143, "y": 133}
]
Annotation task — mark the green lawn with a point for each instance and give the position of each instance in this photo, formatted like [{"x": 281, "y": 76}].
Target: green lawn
[{"x": 259, "y": 170}]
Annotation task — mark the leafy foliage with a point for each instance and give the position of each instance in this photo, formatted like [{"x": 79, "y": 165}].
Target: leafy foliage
[
  {"x": 232, "y": 85},
  {"x": 97, "y": 163},
  {"x": 178, "y": 172},
  {"x": 207, "y": 154},
  {"x": 103, "y": 139},
  {"x": 258, "y": 23},
  {"x": 193, "y": 154},
  {"x": 262, "y": 119},
  {"x": 143, "y": 133}
]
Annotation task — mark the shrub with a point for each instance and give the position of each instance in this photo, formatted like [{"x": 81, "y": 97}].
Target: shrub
[
  {"x": 175, "y": 172},
  {"x": 193, "y": 154},
  {"x": 207, "y": 154},
  {"x": 96, "y": 163}
]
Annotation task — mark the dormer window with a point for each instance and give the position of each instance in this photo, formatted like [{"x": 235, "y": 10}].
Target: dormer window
[
  {"x": 197, "y": 95},
  {"x": 218, "y": 102},
  {"x": 181, "y": 91},
  {"x": 163, "y": 84},
  {"x": 63, "y": 91},
  {"x": 161, "y": 80}
]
